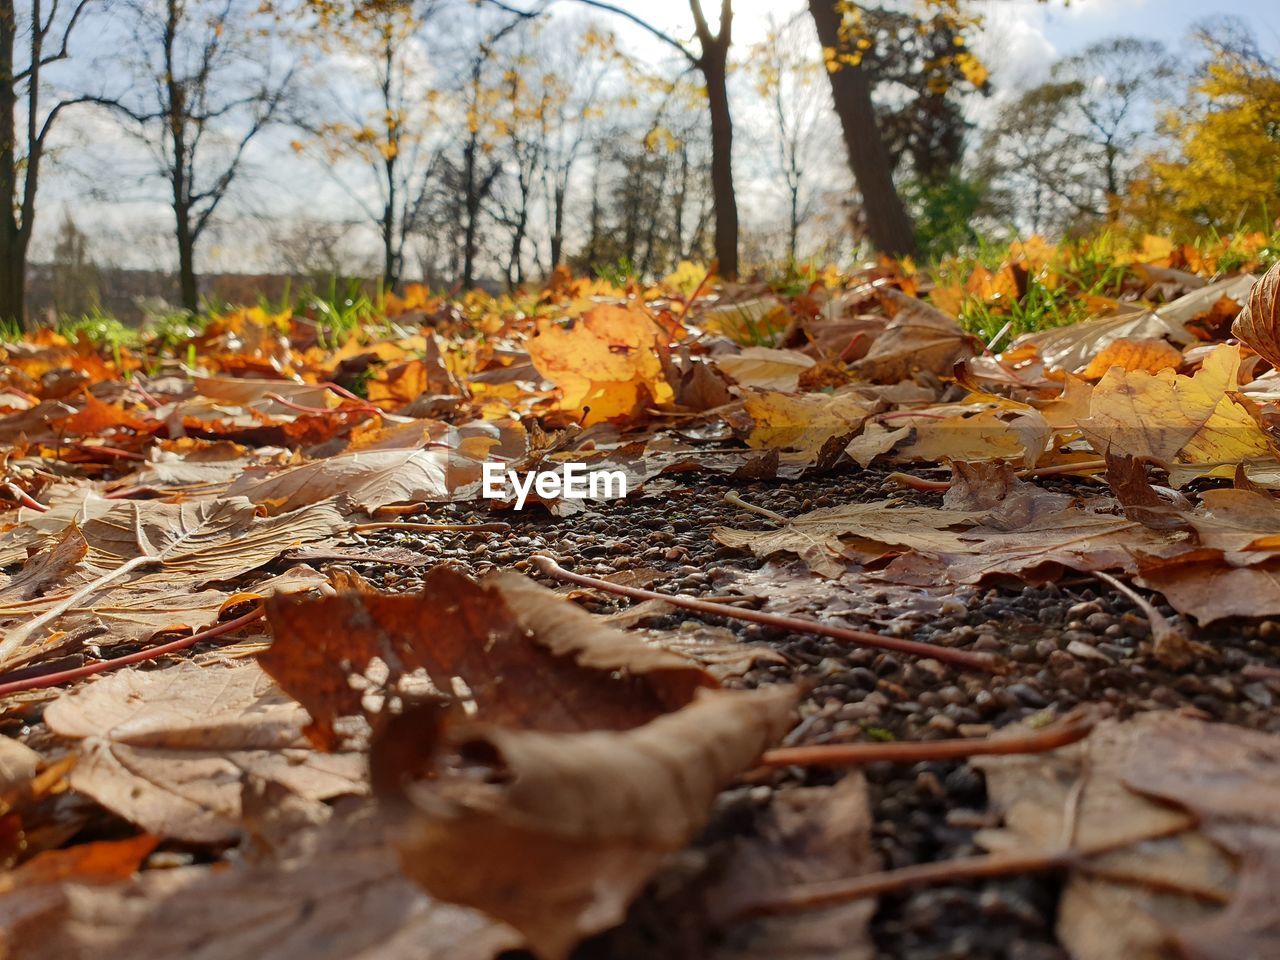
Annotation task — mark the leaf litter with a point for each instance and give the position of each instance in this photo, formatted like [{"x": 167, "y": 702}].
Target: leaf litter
[{"x": 482, "y": 764}]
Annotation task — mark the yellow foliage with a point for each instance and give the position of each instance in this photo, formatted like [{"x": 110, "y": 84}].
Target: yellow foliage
[{"x": 1227, "y": 169}]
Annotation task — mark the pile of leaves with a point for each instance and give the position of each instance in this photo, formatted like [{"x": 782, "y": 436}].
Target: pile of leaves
[{"x": 276, "y": 747}]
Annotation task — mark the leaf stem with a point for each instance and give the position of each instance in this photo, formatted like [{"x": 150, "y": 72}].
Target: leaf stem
[
  {"x": 852, "y": 754},
  {"x": 77, "y": 673},
  {"x": 434, "y": 527},
  {"x": 985, "y": 662}
]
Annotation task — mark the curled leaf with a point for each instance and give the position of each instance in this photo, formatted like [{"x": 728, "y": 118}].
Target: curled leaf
[
  {"x": 1259, "y": 322},
  {"x": 555, "y": 833}
]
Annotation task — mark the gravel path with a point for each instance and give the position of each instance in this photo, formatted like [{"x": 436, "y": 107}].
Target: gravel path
[{"x": 1071, "y": 642}]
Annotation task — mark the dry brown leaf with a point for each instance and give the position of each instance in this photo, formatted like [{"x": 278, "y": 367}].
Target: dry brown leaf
[
  {"x": 555, "y": 833},
  {"x": 873, "y": 441},
  {"x": 816, "y": 536},
  {"x": 765, "y": 368},
  {"x": 1202, "y": 585},
  {"x": 344, "y": 898},
  {"x": 1230, "y": 779},
  {"x": 371, "y": 479},
  {"x": 918, "y": 338},
  {"x": 152, "y": 546},
  {"x": 525, "y": 656},
  {"x": 994, "y": 489},
  {"x": 167, "y": 749},
  {"x": 1127, "y": 477},
  {"x": 1157, "y": 868},
  {"x": 1259, "y": 322}
]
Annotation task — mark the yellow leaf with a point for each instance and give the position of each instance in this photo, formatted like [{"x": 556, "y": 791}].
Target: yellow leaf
[
  {"x": 609, "y": 361},
  {"x": 1168, "y": 418},
  {"x": 801, "y": 424}
]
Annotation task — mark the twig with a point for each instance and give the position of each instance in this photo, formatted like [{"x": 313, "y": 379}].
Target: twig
[
  {"x": 76, "y": 673},
  {"x": 694, "y": 296},
  {"x": 400, "y": 510},
  {"x": 852, "y": 754},
  {"x": 433, "y": 527},
  {"x": 813, "y": 895},
  {"x": 1058, "y": 469},
  {"x": 363, "y": 407},
  {"x": 961, "y": 658},
  {"x": 114, "y": 451},
  {"x": 733, "y": 498}
]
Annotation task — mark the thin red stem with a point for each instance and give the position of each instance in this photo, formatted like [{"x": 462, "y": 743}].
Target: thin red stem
[
  {"x": 88, "y": 670},
  {"x": 25, "y": 498},
  {"x": 985, "y": 662},
  {"x": 853, "y": 754}
]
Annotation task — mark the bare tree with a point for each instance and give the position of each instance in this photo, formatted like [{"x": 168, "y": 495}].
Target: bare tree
[
  {"x": 49, "y": 33},
  {"x": 1116, "y": 83},
  {"x": 1062, "y": 153},
  {"x": 788, "y": 77},
  {"x": 381, "y": 117},
  {"x": 206, "y": 85},
  {"x": 711, "y": 59}
]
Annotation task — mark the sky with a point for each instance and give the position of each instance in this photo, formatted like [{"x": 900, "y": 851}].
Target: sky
[{"x": 1020, "y": 41}]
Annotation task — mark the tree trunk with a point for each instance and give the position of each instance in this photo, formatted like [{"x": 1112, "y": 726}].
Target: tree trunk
[
  {"x": 187, "y": 284},
  {"x": 12, "y": 248},
  {"x": 557, "y": 228},
  {"x": 724, "y": 200},
  {"x": 888, "y": 223},
  {"x": 13, "y": 264}
]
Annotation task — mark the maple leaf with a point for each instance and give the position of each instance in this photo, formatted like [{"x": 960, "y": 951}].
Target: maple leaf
[
  {"x": 535, "y": 645},
  {"x": 153, "y": 544},
  {"x": 816, "y": 536},
  {"x": 610, "y": 361},
  {"x": 803, "y": 426},
  {"x": 1167, "y": 417},
  {"x": 167, "y": 749},
  {"x": 919, "y": 337}
]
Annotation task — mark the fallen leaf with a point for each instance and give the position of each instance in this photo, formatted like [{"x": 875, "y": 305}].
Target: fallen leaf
[
  {"x": 555, "y": 833},
  {"x": 918, "y": 338},
  {"x": 765, "y": 368},
  {"x": 610, "y": 361},
  {"x": 167, "y": 749},
  {"x": 808, "y": 835},
  {"x": 1229, "y": 778},
  {"x": 1167, "y": 417},
  {"x": 802, "y": 425},
  {"x": 343, "y": 899},
  {"x": 524, "y": 655},
  {"x": 153, "y": 546},
  {"x": 815, "y": 537},
  {"x": 1129, "y": 354},
  {"x": 1146, "y": 862},
  {"x": 1259, "y": 322}
]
